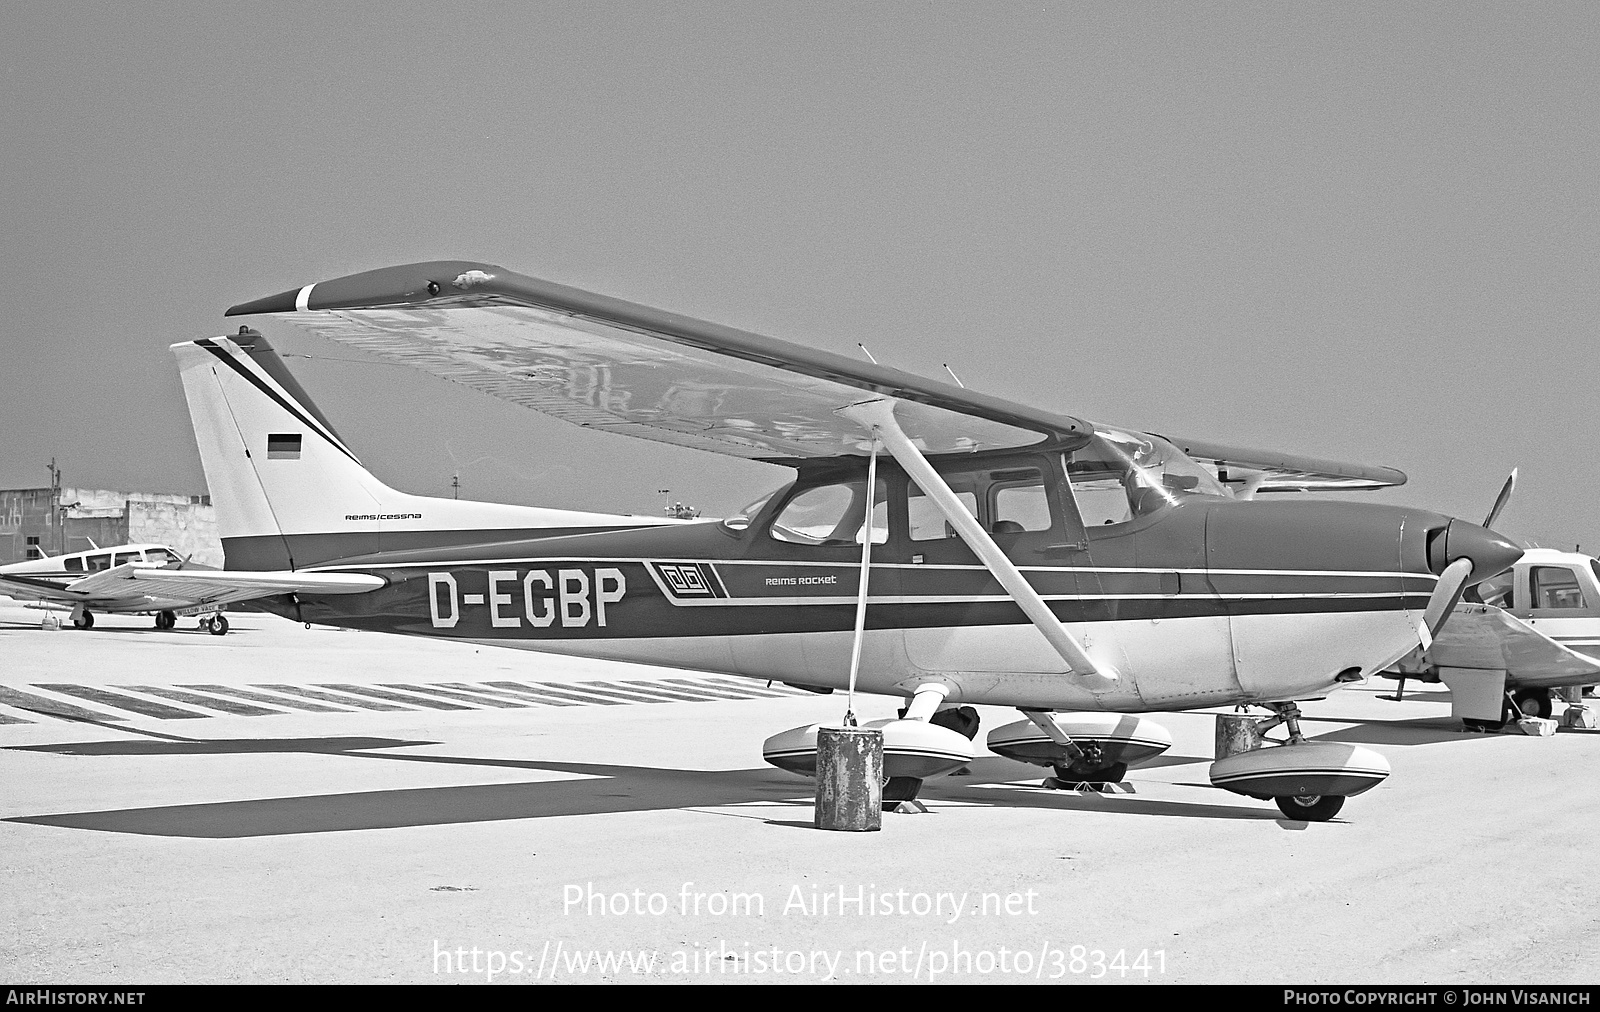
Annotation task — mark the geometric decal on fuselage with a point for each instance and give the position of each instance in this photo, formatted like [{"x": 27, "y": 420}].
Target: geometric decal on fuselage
[{"x": 687, "y": 580}]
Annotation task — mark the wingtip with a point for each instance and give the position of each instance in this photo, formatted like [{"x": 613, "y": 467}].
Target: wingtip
[{"x": 406, "y": 284}]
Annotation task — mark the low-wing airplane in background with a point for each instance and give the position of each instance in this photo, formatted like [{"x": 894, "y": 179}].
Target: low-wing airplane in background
[
  {"x": 140, "y": 579},
  {"x": 1534, "y": 628},
  {"x": 938, "y": 544}
]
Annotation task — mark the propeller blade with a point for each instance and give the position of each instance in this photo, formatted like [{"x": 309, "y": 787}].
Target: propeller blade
[
  {"x": 1501, "y": 499},
  {"x": 1445, "y": 595}
]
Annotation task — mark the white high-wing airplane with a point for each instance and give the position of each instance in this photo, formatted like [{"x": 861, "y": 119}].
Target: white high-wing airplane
[
  {"x": 139, "y": 579},
  {"x": 936, "y": 544}
]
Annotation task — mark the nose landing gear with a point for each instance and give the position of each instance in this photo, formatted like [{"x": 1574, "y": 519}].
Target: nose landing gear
[{"x": 1308, "y": 780}]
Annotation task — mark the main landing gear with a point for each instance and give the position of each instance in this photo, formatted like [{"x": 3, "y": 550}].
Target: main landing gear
[
  {"x": 82, "y": 618},
  {"x": 166, "y": 620},
  {"x": 1515, "y": 706},
  {"x": 1308, "y": 780}
]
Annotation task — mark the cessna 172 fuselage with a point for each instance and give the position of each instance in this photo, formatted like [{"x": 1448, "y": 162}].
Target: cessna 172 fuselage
[{"x": 1016, "y": 557}]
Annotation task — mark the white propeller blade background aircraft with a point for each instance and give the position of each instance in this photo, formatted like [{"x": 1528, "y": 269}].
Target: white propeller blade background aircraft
[
  {"x": 1081, "y": 573},
  {"x": 1535, "y": 627},
  {"x": 145, "y": 579}
]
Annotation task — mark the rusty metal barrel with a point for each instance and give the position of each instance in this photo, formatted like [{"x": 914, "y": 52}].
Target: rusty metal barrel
[
  {"x": 850, "y": 779},
  {"x": 1236, "y": 732}
]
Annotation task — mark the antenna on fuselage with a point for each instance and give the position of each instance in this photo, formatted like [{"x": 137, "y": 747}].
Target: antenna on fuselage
[
  {"x": 953, "y": 375},
  {"x": 867, "y": 353}
]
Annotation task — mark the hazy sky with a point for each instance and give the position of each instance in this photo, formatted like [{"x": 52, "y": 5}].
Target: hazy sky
[{"x": 1359, "y": 231}]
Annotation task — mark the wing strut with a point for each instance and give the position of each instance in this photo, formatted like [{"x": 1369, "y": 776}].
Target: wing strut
[{"x": 878, "y": 417}]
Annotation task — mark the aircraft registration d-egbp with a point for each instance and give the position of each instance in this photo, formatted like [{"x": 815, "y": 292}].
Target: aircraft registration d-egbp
[{"x": 1081, "y": 573}]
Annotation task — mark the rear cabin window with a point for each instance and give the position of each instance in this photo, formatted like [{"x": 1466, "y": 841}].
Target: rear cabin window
[
  {"x": 831, "y": 515},
  {"x": 1556, "y": 587},
  {"x": 927, "y": 520},
  {"x": 99, "y": 562},
  {"x": 1006, "y": 501}
]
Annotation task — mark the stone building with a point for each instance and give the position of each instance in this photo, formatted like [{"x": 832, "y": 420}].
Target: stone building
[{"x": 51, "y": 521}]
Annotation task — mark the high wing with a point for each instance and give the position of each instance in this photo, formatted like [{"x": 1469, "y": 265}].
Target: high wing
[
  {"x": 1488, "y": 638},
  {"x": 617, "y": 366},
  {"x": 1254, "y": 471},
  {"x": 136, "y": 586}
]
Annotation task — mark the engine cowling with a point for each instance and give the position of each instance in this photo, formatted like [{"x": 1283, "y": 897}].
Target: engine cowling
[
  {"x": 1120, "y": 738},
  {"x": 911, "y": 748},
  {"x": 1301, "y": 770}
]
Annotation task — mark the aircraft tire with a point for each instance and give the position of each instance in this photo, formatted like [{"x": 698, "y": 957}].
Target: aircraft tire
[
  {"x": 1069, "y": 777},
  {"x": 1312, "y": 808},
  {"x": 219, "y": 626},
  {"x": 900, "y": 789},
  {"x": 86, "y": 622},
  {"x": 1534, "y": 702}
]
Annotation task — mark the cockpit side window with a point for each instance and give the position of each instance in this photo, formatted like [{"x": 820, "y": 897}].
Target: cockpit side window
[
  {"x": 1556, "y": 587},
  {"x": 73, "y": 564},
  {"x": 160, "y": 556},
  {"x": 1119, "y": 475},
  {"x": 1497, "y": 590},
  {"x": 99, "y": 562},
  {"x": 831, "y": 515}
]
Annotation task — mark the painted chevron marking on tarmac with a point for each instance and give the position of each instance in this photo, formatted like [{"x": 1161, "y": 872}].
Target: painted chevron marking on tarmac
[
  {"x": 196, "y": 699},
  {"x": 121, "y": 702},
  {"x": 328, "y": 697},
  {"x": 460, "y": 697},
  {"x": 211, "y": 700},
  {"x": 393, "y": 697},
  {"x": 262, "y": 697},
  {"x": 51, "y": 707}
]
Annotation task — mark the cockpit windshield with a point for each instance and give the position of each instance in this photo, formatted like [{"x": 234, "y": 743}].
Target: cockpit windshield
[{"x": 1120, "y": 474}]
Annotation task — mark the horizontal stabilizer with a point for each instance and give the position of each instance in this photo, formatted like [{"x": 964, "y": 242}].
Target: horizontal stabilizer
[{"x": 212, "y": 586}]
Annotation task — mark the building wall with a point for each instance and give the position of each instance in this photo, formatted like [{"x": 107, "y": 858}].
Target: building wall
[
  {"x": 189, "y": 529},
  {"x": 105, "y": 517}
]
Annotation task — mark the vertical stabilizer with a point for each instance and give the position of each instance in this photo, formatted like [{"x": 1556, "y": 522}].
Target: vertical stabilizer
[{"x": 289, "y": 493}]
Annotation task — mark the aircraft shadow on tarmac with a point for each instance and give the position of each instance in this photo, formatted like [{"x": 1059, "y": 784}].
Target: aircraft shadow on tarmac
[
  {"x": 1417, "y": 731},
  {"x": 604, "y": 789}
]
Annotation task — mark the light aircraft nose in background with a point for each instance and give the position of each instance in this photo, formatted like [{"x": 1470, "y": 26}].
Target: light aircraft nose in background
[{"x": 1082, "y": 573}]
